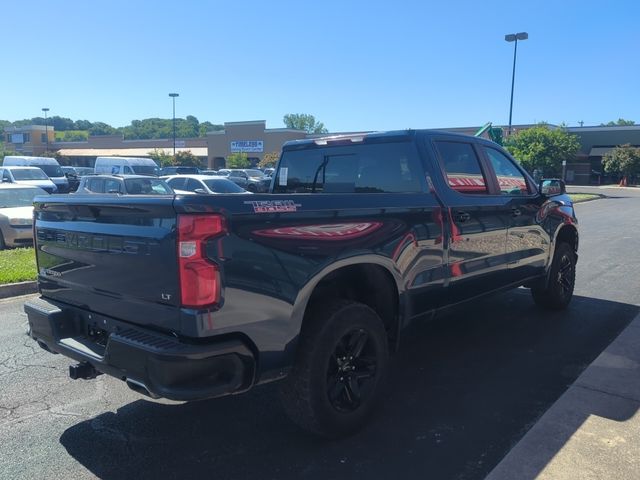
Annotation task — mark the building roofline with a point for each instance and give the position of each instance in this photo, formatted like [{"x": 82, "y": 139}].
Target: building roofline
[
  {"x": 285, "y": 129},
  {"x": 29, "y": 127},
  {"x": 603, "y": 128},
  {"x": 249, "y": 122}
]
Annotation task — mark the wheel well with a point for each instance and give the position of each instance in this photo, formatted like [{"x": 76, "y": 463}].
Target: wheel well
[
  {"x": 568, "y": 234},
  {"x": 370, "y": 284}
]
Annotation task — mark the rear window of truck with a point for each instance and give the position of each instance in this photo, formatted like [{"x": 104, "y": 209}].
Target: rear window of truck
[{"x": 374, "y": 168}]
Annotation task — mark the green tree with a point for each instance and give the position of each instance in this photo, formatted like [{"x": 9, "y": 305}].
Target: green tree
[
  {"x": 208, "y": 127},
  {"x": 623, "y": 160},
  {"x": 4, "y": 151},
  {"x": 82, "y": 125},
  {"x": 101, "y": 128},
  {"x": 161, "y": 158},
  {"x": 543, "y": 148},
  {"x": 269, "y": 160},
  {"x": 62, "y": 159},
  {"x": 619, "y": 122},
  {"x": 187, "y": 158},
  {"x": 238, "y": 160},
  {"x": 304, "y": 121}
]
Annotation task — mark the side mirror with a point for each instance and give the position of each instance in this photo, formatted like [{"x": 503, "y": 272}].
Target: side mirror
[
  {"x": 552, "y": 186},
  {"x": 200, "y": 191}
]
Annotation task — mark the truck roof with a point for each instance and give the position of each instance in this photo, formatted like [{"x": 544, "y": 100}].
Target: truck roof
[{"x": 366, "y": 137}]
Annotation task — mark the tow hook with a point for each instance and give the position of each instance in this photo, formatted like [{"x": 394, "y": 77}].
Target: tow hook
[{"x": 83, "y": 370}]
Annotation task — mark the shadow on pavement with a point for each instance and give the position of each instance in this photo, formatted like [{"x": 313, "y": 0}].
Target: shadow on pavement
[{"x": 463, "y": 390}]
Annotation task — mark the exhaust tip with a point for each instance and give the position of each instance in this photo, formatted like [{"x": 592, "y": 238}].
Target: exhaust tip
[{"x": 141, "y": 388}]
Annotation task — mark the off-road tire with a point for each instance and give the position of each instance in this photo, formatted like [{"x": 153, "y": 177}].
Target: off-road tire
[
  {"x": 557, "y": 293},
  {"x": 314, "y": 395}
]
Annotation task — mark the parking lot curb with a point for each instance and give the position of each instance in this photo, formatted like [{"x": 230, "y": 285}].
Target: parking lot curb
[
  {"x": 17, "y": 289},
  {"x": 572, "y": 439}
]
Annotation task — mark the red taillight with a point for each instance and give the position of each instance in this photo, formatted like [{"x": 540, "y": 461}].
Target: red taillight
[{"x": 199, "y": 278}]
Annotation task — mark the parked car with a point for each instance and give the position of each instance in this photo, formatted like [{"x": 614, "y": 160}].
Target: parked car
[
  {"x": 126, "y": 166},
  {"x": 48, "y": 165},
  {"x": 73, "y": 174},
  {"x": 33, "y": 176},
  {"x": 250, "y": 179},
  {"x": 16, "y": 214},
  {"x": 179, "y": 170},
  {"x": 124, "y": 185},
  {"x": 313, "y": 284},
  {"x": 212, "y": 172},
  {"x": 72, "y": 178},
  {"x": 269, "y": 171},
  {"x": 78, "y": 171},
  {"x": 203, "y": 184}
]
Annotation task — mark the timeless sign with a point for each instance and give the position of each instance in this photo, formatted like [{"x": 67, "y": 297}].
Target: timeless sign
[{"x": 248, "y": 146}]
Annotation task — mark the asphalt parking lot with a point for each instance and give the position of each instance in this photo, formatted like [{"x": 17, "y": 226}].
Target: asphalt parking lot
[{"x": 463, "y": 390}]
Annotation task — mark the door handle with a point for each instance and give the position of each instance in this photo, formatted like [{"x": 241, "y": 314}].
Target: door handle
[
  {"x": 516, "y": 212},
  {"x": 462, "y": 217}
]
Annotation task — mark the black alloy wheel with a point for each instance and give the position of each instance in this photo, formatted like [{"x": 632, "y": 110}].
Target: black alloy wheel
[
  {"x": 340, "y": 368},
  {"x": 352, "y": 370},
  {"x": 558, "y": 291}
]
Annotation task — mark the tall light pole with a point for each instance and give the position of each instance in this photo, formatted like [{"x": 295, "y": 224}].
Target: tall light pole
[
  {"x": 173, "y": 96},
  {"x": 46, "y": 128},
  {"x": 514, "y": 37}
]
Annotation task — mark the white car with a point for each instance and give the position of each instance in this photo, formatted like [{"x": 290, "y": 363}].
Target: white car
[
  {"x": 203, "y": 184},
  {"x": 16, "y": 214},
  {"x": 33, "y": 176}
]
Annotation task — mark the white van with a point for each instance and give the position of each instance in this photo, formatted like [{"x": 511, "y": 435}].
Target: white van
[
  {"x": 126, "y": 166},
  {"x": 27, "y": 176},
  {"x": 48, "y": 165}
]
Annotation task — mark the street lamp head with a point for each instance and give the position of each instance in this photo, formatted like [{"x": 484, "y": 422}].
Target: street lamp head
[
  {"x": 512, "y": 37},
  {"x": 174, "y": 95}
]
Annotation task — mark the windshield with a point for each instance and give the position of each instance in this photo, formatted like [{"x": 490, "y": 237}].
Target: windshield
[
  {"x": 18, "y": 197},
  {"x": 222, "y": 185},
  {"x": 147, "y": 186},
  {"x": 145, "y": 169},
  {"x": 51, "y": 170},
  {"x": 255, "y": 173},
  {"x": 29, "y": 174}
]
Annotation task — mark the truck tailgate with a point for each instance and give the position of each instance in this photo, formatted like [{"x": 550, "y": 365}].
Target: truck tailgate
[{"x": 110, "y": 255}]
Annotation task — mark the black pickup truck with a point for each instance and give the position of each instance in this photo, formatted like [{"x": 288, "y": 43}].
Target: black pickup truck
[{"x": 194, "y": 297}]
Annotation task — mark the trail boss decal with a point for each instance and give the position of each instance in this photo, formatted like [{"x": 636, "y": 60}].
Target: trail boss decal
[{"x": 274, "y": 206}]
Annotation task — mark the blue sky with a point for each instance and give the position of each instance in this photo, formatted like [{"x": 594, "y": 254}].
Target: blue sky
[{"x": 355, "y": 65}]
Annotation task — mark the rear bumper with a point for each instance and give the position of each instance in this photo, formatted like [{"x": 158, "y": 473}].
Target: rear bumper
[{"x": 161, "y": 364}]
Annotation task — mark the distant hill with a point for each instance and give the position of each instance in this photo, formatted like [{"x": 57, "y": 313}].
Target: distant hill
[{"x": 77, "y": 130}]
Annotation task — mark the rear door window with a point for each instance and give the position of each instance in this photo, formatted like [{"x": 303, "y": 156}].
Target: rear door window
[
  {"x": 377, "y": 168},
  {"x": 462, "y": 167}
]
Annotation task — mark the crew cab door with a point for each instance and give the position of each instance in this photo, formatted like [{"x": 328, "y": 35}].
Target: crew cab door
[
  {"x": 477, "y": 260},
  {"x": 528, "y": 244}
]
